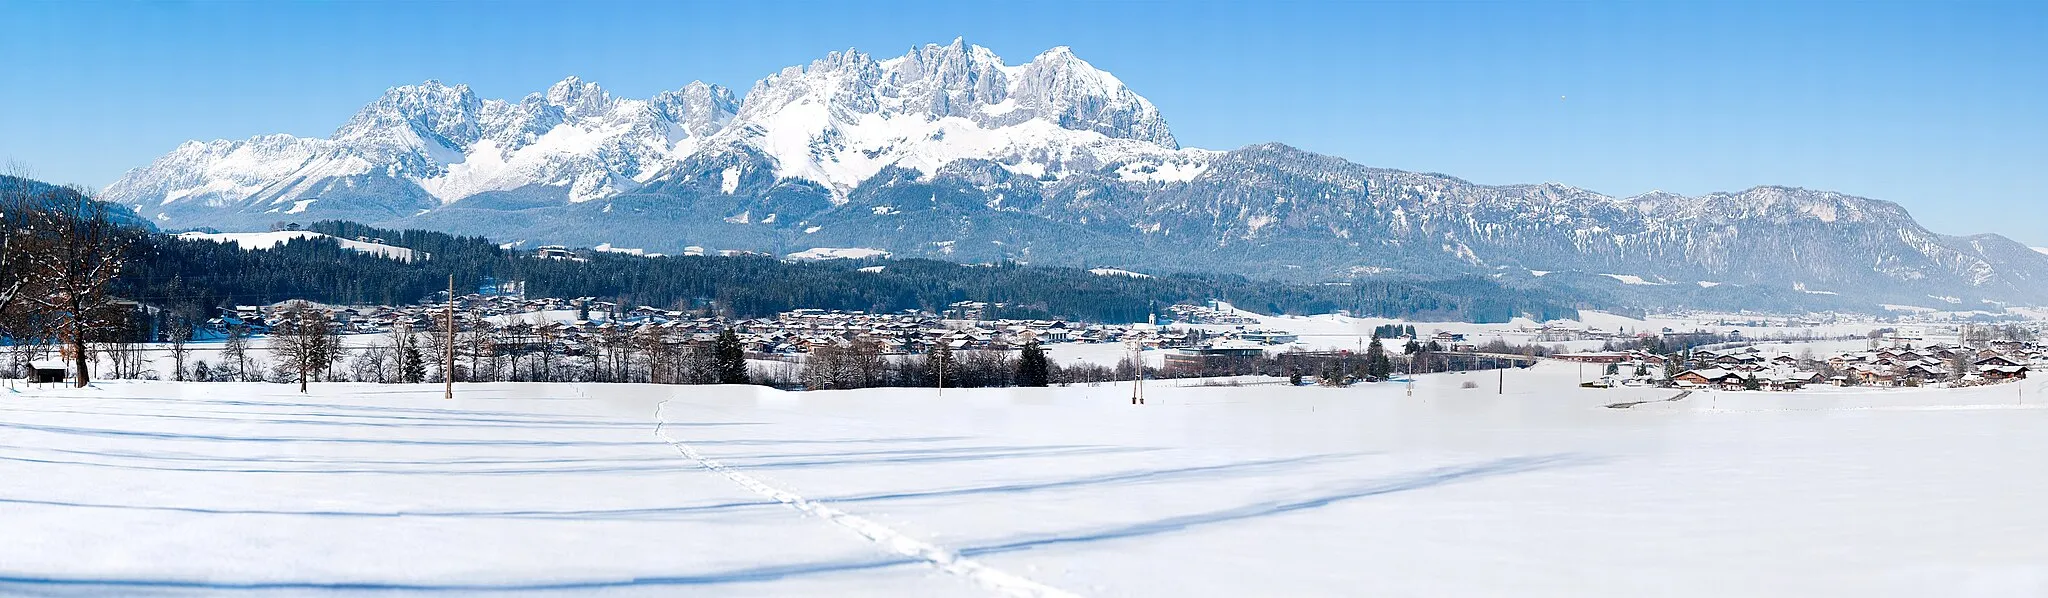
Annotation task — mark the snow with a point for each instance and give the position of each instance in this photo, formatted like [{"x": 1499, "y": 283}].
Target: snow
[
  {"x": 729, "y": 180},
  {"x": 608, "y": 248},
  {"x": 2043, "y": 250},
  {"x": 874, "y": 269},
  {"x": 837, "y": 253},
  {"x": 254, "y": 241},
  {"x": 1632, "y": 279},
  {"x": 1160, "y": 172},
  {"x": 299, "y": 207},
  {"x": 1708, "y": 284},
  {"x": 1257, "y": 490},
  {"x": 827, "y": 125},
  {"x": 1116, "y": 272},
  {"x": 1006, "y": 106},
  {"x": 566, "y": 316},
  {"x": 1801, "y": 287}
]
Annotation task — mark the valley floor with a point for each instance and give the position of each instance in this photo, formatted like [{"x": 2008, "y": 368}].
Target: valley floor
[{"x": 1260, "y": 490}]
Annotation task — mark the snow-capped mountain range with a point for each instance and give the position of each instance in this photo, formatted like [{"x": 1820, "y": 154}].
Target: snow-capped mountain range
[{"x": 947, "y": 151}]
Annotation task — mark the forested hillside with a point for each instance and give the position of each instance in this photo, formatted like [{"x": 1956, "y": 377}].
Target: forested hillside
[{"x": 166, "y": 270}]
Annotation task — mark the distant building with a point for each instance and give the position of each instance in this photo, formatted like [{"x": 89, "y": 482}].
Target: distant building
[{"x": 1202, "y": 359}]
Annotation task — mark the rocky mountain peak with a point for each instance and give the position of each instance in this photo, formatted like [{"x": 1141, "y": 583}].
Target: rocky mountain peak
[
  {"x": 430, "y": 110},
  {"x": 699, "y": 108}
]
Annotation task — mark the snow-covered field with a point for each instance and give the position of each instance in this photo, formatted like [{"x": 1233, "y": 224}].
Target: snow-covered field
[
  {"x": 275, "y": 238},
  {"x": 560, "y": 489}
]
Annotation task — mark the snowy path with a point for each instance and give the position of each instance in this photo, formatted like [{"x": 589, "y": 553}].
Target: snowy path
[{"x": 946, "y": 560}]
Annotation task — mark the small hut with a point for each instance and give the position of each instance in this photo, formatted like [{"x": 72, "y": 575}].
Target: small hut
[{"x": 47, "y": 372}]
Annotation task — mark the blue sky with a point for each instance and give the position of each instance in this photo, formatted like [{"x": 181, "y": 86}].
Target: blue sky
[{"x": 1942, "y": 107}]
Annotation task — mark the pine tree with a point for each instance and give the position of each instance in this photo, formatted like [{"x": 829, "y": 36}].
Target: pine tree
[
  {"x": 730, "y": 358},
  {"x": 1377, "y": 366},
  {"x": 1032, "y": 367},
  {"x": 413, "y": 366}
]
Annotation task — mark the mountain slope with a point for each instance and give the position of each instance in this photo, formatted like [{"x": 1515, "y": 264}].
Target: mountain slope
[{"x": 949, "y": 152}]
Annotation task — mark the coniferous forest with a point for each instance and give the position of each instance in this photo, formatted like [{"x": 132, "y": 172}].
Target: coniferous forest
[{"x": 169, "y": 271}]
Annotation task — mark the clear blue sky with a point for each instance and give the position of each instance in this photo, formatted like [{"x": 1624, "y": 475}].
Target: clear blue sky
[{"x": 1941, "y": 106}]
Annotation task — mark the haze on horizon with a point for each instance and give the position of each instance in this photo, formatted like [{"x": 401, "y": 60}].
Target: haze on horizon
[{"x": 1935, "y": 106}]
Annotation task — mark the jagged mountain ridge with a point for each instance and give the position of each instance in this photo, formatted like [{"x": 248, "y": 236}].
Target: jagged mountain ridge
[{"x": 947, "y": 151}]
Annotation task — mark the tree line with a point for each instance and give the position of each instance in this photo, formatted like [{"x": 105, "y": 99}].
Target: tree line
[{"x": 167, "y": 270}]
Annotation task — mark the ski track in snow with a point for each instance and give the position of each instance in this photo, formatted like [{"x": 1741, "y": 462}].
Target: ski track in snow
[{"x": 945, "y": 559}]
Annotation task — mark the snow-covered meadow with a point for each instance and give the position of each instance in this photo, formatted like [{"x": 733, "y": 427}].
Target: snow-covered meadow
[{"x": 1260, "y": 490}]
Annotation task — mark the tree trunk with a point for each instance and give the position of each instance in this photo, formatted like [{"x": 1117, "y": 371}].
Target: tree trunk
[
  {"x": 302, "y": 379},
  {"x": 78, "y": 360}
]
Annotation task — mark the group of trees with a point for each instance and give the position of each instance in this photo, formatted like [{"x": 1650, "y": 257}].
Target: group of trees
[
  {"x": 861, "y": 364},
  {"x": 304, "y": 345},
  {"x": 60, "y": 251},
  {"x": 169, "y": 271}
]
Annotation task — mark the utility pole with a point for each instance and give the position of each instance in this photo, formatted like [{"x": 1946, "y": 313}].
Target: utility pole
[
  {"x": 448, "y": 371},
  {"x": 1138, "y": 366},
  {"x": 1503, "y": 382}
]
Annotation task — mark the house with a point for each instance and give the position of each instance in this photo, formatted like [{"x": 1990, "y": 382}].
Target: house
[
  {"x": 1708, "y": 377},
  {"x": 1597, "y": 357},
  {"x": 1996, "y": 373},
  {"x": 1997, "y": 361},
  {"x": 1268, "y": 337},
  {"x": 1925, "y": 372},
  {"x": 1781, "y": 384}
]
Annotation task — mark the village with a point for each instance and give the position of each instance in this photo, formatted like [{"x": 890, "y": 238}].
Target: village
[
  {"x": 1754, "y": 367},
  {"x": 574, "y": 327}
]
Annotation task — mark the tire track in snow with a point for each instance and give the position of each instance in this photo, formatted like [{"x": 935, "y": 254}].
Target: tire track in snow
[{"x": 950, "y": 561}]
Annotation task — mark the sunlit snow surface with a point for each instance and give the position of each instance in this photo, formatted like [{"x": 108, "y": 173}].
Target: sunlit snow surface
[
  {"x": 211, "y": 489},
  {"x": 273, "y": 239}
]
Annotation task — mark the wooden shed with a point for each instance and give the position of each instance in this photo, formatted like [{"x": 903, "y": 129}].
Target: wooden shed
[{"x": 47, "y": 372}]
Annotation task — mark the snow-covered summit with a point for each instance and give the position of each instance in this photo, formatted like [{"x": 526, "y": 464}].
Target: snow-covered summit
[
  {"x": 835, "y": 122},
  {"x": 844, "y": 118}
]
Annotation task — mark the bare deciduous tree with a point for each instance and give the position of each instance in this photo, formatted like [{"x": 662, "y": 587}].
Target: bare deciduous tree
[
  {"x": 69, "y": 250},
  {"x": 301, "y": 341}
]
